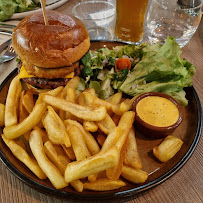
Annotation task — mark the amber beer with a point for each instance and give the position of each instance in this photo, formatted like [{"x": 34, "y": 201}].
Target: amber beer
[{"x": 130, "y": 19}]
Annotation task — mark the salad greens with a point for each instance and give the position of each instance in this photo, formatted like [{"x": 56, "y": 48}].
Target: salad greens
[
  {"x": 9, "y": 7},
  {"x": 153, "y": 68}
]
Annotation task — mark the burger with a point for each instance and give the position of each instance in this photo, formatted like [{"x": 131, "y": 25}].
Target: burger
[{"x": 49, "y": 54}]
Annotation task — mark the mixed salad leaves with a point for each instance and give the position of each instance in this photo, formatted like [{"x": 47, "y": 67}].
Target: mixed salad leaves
[
  {"x": 154, "y": 68},
  {"x": 9, "y": 7}
]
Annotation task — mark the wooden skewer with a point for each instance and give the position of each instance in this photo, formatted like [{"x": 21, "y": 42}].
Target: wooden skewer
[{"x": 43, "y": 4}]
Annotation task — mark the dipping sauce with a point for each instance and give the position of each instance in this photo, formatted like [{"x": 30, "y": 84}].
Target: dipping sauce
[{"x": 157, "y": 111}]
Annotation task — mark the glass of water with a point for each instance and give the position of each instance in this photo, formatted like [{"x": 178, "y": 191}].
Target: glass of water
[
  {"x": 175, "y": 18},
  {"x": 98, "y": 17}
]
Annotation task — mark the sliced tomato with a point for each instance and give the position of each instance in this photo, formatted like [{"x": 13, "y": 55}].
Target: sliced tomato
[{"x": 122, "y": 64}]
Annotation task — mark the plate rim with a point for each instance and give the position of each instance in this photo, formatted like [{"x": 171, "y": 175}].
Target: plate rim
[{"x": 130, "y": 192}]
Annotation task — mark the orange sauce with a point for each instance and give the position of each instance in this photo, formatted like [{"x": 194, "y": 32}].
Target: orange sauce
[{"x": 157, "y": 111}]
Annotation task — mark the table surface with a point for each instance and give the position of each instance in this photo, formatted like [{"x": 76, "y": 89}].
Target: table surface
[{"x": 184, "y": 186}]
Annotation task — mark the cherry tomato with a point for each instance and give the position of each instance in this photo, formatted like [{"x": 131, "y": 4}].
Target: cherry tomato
[{"x": 122, "y": 64}]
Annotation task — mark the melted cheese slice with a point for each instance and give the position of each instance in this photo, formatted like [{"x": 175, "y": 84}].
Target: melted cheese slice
[{"x": 24, "y": 74}]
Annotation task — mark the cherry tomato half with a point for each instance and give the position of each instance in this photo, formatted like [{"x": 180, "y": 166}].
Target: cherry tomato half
[{"x": 122, "y": 64}]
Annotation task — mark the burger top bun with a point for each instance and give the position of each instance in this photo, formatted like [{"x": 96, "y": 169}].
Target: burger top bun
[{"x": 61, "y": 43}]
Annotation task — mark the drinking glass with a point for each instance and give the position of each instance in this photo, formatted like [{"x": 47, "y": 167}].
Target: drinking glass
[
  {"x": 130, "y": 20},
  {"x": 98, "y": 17},
  {"x": 178, "y": 19}
]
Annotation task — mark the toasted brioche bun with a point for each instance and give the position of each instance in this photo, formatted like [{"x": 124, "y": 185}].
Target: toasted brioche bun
[{"x": 61, "y": 43}]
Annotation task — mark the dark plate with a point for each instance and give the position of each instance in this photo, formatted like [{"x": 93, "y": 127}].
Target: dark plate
[{"x": 189, "y": 131}]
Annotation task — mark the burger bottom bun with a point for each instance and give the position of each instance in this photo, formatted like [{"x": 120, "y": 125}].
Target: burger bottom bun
[{"x": 50, "y": 73}]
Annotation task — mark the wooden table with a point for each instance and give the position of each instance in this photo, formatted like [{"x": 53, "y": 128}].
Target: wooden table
[{"x": 185, "y": 186}]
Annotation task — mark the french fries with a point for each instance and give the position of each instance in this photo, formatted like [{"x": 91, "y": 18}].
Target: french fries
[
  {"x": 55, "y": 128},
  {"x": 45, "y": 164},
  {"x": 91, "y": 143},
  {"x": 78, "y": 142},
  {"x": 168, "y": 148},
  {"x": 57, "y": 155},
  {"x": 12, "y": 102},
  {"x": 106, "y": 125},
  {"x": 132, "y": 157},
  {"x": 14, "y": 131},
  {"x": 92, "y": 165},
  {"x": 69, "y": 151},
  {"x": 75, "y": 138},
  {"x": 104, "y": 184},
  {"x": 90, "y": 114},
  {"x": 90, "y": 126},
  {"x": 23, "y": 156},
  {"x": 2, "y": 113},
  {"x": 136, "y": 176}
]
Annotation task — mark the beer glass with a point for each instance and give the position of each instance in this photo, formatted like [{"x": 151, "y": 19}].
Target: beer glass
[{"x": 130, "y": 19}]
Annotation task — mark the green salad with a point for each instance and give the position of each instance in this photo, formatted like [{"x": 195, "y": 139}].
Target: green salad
[
  {"x": 9, "y": 7},
  {"x": 154, "y": 68}
]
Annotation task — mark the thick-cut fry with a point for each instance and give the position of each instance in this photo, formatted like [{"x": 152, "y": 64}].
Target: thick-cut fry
[
  {"x": 85, "y": 99},
  {"x": 115, "y": 172},
  {"x": 106, "y": 125},
  {"x": 69, "y": 151},
  {"x": 42, "y": 133},
  {"x": 112, "y": 138},
  {"x": 109, "y": 106},
  {"x": 23, "y": 156},
  {"x": 2, "y": 114},
  {"x": 77, "y": 185},
  {"x": 126, "y": 105},
  {"x": 168, "y": 148},
  {"x": 116, "y": 98},
  {"x": 104, "y": 184},
  {"x": 28, "y": 101},
  {"x": 45, "y": 164},
  {"x": 90, "y": 126},
  {"x": 71, "y": 95},
  {"x": 91, "y": 143},
  {"x": 56, "y": 154},
  {"x": 79, "y": 111},
  {"x": 125, "y": 124},
  {"x": 91, "y": 165},
  {"x": 55, "y": 128},
  {"x": 132, "y": 156},
  {"x": 101, "y": 139},
  {"x": 73, "y": 83},
  {"x": 134, "y": 175},
  {"x": 12, "y": 102},
  {"x": 78, "y": 142},
  {"x": 91, "y": 91}
]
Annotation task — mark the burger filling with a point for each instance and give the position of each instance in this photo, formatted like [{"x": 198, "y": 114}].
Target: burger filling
[{"x": 47, "y": 82}]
